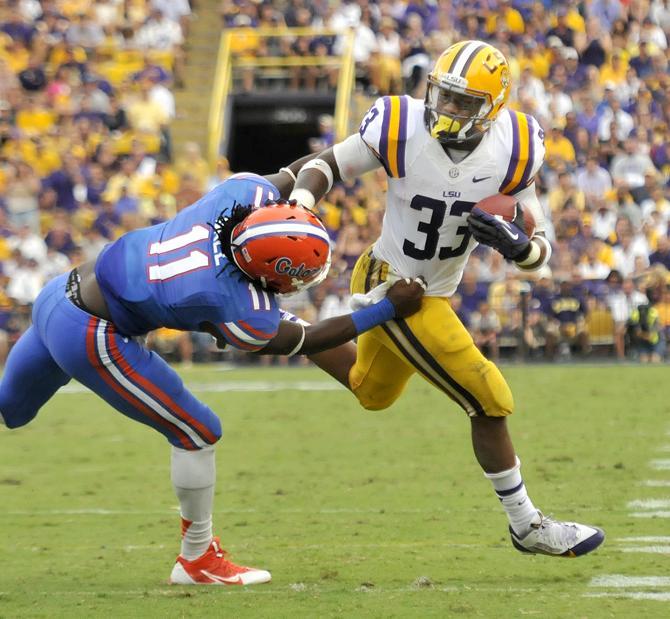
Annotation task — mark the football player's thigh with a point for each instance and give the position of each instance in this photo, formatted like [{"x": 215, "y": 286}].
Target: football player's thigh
[
  {"x": 442, "y": 350},
  {"x": 135, "y": 381},
  {"x": 31, "y": 377},
  {"x": 380, "y": 374}
]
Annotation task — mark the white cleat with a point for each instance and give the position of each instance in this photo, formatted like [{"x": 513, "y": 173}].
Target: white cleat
[{"x": 558, "y": 539}]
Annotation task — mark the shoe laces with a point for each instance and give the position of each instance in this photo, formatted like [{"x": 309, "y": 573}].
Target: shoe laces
[
  {"x": 557, "y": 532},
  {"x": 218, "y": 551}
]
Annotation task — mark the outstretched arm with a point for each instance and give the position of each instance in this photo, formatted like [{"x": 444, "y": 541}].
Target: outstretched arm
[
  {"x": 403, "y": 299},
  {"x": 284, "y": 180},
  {"x": 315, "y": 174}
]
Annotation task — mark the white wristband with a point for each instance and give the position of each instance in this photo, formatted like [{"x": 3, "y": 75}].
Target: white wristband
[
  {"x": 304, "y": 197},
  {"x": 532, "y": 257},
  {"x": 289, "y": 172},
  {"x": 300, "y": 343},
  {"x": 323, "y": 167}
]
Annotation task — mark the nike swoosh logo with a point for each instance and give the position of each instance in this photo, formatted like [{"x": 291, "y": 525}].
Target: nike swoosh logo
[
  {"x": 233, "y": 580},
  {"x": 479, "y": 180},
  {"x": 508, "y": 230}
]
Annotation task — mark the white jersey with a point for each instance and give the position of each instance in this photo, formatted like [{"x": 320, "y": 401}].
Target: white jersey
[{"x": 429, "y": 195}]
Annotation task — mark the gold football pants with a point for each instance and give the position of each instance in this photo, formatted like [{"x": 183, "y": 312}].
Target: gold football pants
[{"x": 434, "y": 343}]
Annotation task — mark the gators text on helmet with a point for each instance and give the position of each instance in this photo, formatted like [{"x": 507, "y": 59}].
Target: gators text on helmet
[{"x": 283, "y": 246}]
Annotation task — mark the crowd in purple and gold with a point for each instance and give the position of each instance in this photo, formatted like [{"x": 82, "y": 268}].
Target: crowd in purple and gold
[
  {"x": 595, "y": 75},
  {"x": 86, "y": 101}
]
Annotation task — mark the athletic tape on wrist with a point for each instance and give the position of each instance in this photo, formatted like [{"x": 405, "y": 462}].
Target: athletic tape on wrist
[
  {"x": 300, "y": 343},
  {"x": 532, "y": 257},
  {"x": 303, "y": 197},
  {"x": 289, "y": 172},
  {"x": 373, "y": 315},
  {"x": 323, "y": 167}
]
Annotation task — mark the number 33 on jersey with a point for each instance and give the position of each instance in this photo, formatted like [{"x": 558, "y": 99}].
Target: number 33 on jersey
[{"x": 430, "y": 195}]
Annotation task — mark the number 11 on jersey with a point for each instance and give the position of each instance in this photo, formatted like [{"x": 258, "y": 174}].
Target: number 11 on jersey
[{"x": 195, "y": 260}]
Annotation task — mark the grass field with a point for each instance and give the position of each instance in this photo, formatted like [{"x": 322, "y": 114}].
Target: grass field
[{"x": 356, "y": 514}]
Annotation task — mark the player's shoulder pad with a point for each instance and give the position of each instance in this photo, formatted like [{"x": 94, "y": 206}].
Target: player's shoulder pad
[
  {"x": 521, "y": 150},
  {"x": 387, "y": 127},
  {"x": 249, "y": 188},
  {"x": 258, "y": 323}
]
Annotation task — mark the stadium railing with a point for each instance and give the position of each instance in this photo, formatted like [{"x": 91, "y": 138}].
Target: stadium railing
[{"x": 227, "y": 62}]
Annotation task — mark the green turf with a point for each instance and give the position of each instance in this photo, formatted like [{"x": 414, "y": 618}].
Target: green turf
[{"x": 356, "y": 514}]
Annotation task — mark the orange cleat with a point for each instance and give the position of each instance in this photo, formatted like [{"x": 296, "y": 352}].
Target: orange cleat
[{"x": 213, "y": 568}]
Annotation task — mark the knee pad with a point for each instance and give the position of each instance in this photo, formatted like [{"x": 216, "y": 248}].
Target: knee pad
[
  {"x": 376, "y": 397},
  {"x": 17, "y": 416},
  {"x": 500, "y": 401}
]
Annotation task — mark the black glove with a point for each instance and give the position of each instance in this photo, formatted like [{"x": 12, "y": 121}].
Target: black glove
[{"x": 508, "y": 238}]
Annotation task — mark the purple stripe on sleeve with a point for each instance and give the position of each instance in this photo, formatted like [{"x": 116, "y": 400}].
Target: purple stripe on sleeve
[
  {"x": 384, "y": 138},
  {"x": 402, "y": 137},
  {"x": 531, "y": 155},
  {"x": 514, "y": 160}
]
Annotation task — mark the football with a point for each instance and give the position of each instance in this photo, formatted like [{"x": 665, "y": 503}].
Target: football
[{"x": 505, "y": 206}]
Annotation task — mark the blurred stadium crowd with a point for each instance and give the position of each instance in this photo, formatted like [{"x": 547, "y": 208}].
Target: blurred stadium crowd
[{"x": 86, "y": 101}]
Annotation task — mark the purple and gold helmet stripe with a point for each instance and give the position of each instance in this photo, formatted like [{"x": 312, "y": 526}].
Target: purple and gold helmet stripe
[
  {"x": 461, "y": 49},
  {"x": 470, "y": 58},
  {"x": 522, "y": 151}
]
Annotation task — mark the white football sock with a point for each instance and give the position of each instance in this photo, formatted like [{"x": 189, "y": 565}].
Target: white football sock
[
  {"x": 193, "y": 478},
  {"x": 512, "y": 493}
]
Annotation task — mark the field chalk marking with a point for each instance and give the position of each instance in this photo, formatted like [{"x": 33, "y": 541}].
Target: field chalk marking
[
  {"x": 649, "y": 504},
  {"x": 620, "y": 581},
  {"x": 239, "y": 386},
  {"x": 632, "y": 595}
]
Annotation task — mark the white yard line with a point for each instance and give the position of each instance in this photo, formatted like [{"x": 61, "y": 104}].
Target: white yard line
[
  {"x": 660, "y": 550},
  {"x": 620, "y": 585},
  {"x": 655, "y": 596},
  {"x": 649, "y": 504},
  {"x": 648, "y": 539},
  {"x": 621, "y": 581},
  {"x": 240, "y": 386}
]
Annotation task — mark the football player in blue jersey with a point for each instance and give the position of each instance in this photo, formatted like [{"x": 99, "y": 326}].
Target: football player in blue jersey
[{"x": 215, "y": 267}]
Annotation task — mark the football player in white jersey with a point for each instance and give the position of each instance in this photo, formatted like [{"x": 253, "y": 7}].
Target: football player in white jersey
[{"x": 442, "y": 156}]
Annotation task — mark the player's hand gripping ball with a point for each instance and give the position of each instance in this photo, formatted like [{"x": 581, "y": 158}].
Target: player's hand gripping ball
[{"x": 500, "y": 222}]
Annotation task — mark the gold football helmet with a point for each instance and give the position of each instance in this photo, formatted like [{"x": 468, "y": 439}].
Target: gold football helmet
[{"x": 467, "y": 88}]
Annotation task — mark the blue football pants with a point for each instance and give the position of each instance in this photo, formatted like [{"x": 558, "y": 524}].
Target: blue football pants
[{"x": 65, "y": 342}]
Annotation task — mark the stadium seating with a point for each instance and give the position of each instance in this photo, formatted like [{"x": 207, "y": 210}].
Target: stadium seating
[{"x": 87, "y": 100}]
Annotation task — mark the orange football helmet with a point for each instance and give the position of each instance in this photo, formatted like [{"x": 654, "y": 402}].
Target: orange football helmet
[
  {"x": 282, "y": 245},
  {"x": 467, "y": 88}
]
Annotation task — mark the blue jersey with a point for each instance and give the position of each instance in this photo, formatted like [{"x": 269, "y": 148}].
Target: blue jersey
[{"x": 174, "y": 274}]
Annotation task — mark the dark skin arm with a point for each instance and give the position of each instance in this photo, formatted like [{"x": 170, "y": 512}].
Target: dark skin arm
[
  {"x": 283, "y": 181},
  {"x": 314, "y": 180},
  {"x": 331, "y": 333},
  {"x": 327, "y": 343}
]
